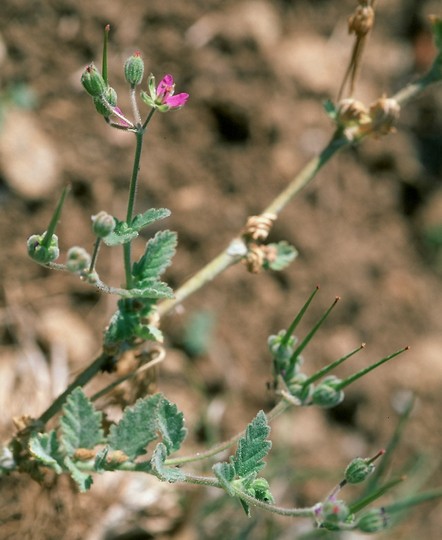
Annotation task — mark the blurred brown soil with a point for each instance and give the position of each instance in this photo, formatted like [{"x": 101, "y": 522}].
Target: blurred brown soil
[{"x": 257, "y": 72}]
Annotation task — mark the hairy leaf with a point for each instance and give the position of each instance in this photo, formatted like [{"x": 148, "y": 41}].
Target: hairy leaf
[
  {"x": 80, "y": 423},
  {"x": 137, "y": 428},
  {"x": 168, "y": 474},
  {"x": 252, "y": 448},
  {"x": 170, "y": 423},
  {"x": 150, "y": 289},
  {"x": 122, "y": 234},
  {"x": 225, "y": 472},
  {"x": 45, "y": 448},
  {"x": 157, "y": 257},
  {"x": 283, "y": 255},
  {"x": 153, "y": 214},
  {"x": 82, "y": 479}
]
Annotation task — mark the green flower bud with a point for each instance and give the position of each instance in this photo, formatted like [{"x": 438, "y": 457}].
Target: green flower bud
[
  {"x": 93, "y": 82},
  {"x": 134, "y": 69},
  {"x": 374, "y": 520},
  {"x": 333, "y": 512},
  {"x": 326, "y": 394},
  {"x": 111, "y": 97},
  {"x": 260, "y": 489},
  {"x": 358, "y": 470},
  {"x": 300, "y": 390},
  {"x": 90, "y": 277},
  {"x": 103, "y": 224},
  {"x": 78, "y": 259},
  {"x": 41, "y": 252}
]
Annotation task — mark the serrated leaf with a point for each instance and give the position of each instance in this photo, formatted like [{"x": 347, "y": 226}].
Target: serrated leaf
[
  {"x": 46, "y": 449},
  {"x": 149, "y": 332},
  {"x": 122, "y": 234},
  {"x": 82, "y": 479},
  {"x": 252, "y": 448},
  {"x": 157, "y": 257},
  {"x": 168, "y": 474},
  {"x": 152, "y": 289},
  {"x": 225, "y": 472},
  {"x": 170, "y": 423},
  {"x": 137, "y": 428},
  {"x": 153, "y": 214},
  {"x": 80, "y": 423},
  {"x": 282, "y": 255}
]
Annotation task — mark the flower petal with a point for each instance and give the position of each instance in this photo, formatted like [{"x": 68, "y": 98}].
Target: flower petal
[{"x": 177, "y": 100}]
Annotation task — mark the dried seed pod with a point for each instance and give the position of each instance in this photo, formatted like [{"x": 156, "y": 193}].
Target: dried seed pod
[
  {"x": 362, "y": 20},
  {"x": 258, "y": 227}
]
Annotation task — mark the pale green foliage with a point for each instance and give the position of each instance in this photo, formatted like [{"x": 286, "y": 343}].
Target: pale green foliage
[
  {"x": 45, "y": 448},
  {"x": 169, "y": 474},
  {"x": 125, "y": 232},
  {"x": 284, "y": 255},
  {"x": 80, "y": 423}
]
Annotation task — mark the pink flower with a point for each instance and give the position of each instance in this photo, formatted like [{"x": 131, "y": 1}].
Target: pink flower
[
  {"x": 165, "y": 94},
  {"x": 162, "y": 97}
]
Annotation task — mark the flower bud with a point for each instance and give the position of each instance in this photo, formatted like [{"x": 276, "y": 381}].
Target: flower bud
[
  {"x": 260, "y": 489},
  {"x": 41, "y": 252},
  {"x": 299, "y": 389},
  {"x": 78, "y": 259},
  {"x": 93, "y": 82},
  {"x": 358, "y": 470},
  {"x": 103, "y": 224},
  {"x": 383, "y": 113},
  {"x": 90, "y": 277},
  {"x": 111, "y": 97},
  {"x": 326, "y": 394},
  {"x": 134, "y": 69},
  {"x": 374, "y": 520},
  {"x": 331, "y": 513}
]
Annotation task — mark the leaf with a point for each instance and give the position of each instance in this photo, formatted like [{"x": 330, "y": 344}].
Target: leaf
[
  {"x": 80, "y": 423},
  {"x": 157, "y": 257},
  {"x": 149, "y": 332},
  {"x": 252, "y": 448},
  {"x": 83, "y": 480},
  {"x": 137, "y": 428},
  {"x": 170, "y": 423},
  {"x": 168, "y": 474},
  {"x": 225, "y": 472},
  {"x": 45, "y": 448},
  {"x": 121, "y": 234},
  {"x": 143, "y": 220},
  {"x": 152, "y": 289},
  {"x": 282, "y": 254}
]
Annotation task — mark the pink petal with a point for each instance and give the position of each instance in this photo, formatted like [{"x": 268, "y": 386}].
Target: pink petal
[
  {"x": 177, "y": 100},
  {"x": 166, "y": 86}
]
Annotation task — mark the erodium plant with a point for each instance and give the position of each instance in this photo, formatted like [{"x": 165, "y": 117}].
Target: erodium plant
[{"x": 152, "y": 430}]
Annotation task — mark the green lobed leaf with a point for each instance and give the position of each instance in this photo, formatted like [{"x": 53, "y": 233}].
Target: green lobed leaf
[
  {"x": 46, "y": 449},
  {"x": 80, "y": 423},
  {"x": 225, "y": 472},
  {"x": 284, "y": 254},
  {"x": 137, "y": 428},
  {"x": 170, "y": 423},
  {"x": 122, "y": 234},
  {"x": 82, "y": 479},
  {"x": 157, "y": 257},
  {"x": 252, "y": 448},
  {"x": 168, "y": 474},
  {"x": 150, "y": 289},
  {"x": 153, "y": 214}
]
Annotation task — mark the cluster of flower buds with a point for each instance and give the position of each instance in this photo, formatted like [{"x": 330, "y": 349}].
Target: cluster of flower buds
[
  {"x": 332, "y": 513},
  {"x": 103, "y": 95},
  {"x": 103, "y": 224}
]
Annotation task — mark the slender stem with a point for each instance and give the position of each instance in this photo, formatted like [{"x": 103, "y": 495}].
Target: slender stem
[
  {"x": 279, "y": 408},
  {"x": 95, "y": 254},
  {"x": 131, "y": 204},
  {"x": 46, "y": 241},
  {"x": 135, "y": 110},
  {"x": 83, "y": 378},
  {"x": 148, "y": 119}
]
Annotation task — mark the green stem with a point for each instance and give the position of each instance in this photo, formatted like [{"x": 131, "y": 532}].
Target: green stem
[
  {"x": 131, "y": 204},
  {"x": 279, "y": 408},
  {"x": 95, "y": 254},
  {"x": 83, "y": 378},
  {"x": 46, "y": 241}
]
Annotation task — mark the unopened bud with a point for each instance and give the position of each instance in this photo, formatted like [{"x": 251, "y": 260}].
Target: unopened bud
[
  {"x": 42, "y": 251},
  {"x": 78, "y": 259},
  {"x": 333, "y": 512},
  {"x": 351, "y": 112},
  {"x": 103, "y": 224},
  {"x": 299, "y": 389},
  {"x": 260, "y": 489},
  {"x": 93, "y": 82},
  {"x": 374, "y": 520},
  {"x": 110, "y": 96},
  {"x": 326, "y": 394},
  {"x": 134, "y": 69},
  {"x": 358, "y": 470}
]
